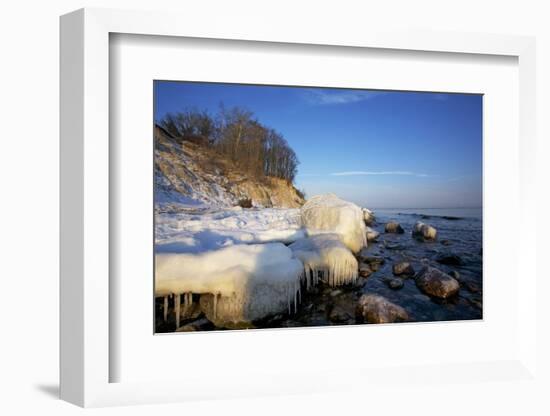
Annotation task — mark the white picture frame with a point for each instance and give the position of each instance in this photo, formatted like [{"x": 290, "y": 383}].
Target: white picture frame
[{"x": 85, "y": 203}]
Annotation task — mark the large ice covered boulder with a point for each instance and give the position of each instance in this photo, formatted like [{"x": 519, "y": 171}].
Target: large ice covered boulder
[
  {"x": 326, "y": 258},
  {"x": 330, "y": 214},
  {"x": 244, "y": 282}
]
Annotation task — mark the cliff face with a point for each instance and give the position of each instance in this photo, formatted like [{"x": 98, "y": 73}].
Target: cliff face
[{"x": 191, "y": 173}]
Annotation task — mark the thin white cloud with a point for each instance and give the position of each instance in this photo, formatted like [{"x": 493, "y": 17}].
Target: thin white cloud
[
  {"x": 328, "y": 96},
  {"x": 386, "y": 172}
]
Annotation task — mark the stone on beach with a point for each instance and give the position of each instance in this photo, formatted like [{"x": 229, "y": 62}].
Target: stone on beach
[
  {"x": 200, "y": 324},
  {"x": 368, "y": 216},
  {"x": 423, "y": 231},
  {"x": 372, "y": 235},
  {"x": 377, "y": 309},
  {"x": 403, "y": 268},
  {"x": 449, "y": 259},
  {"x": 374, "y": 262},
  {"x": 395, "y": 283},
  {"x": 365, "y": 270},
  {"x": 436, "y": 283},
  {"x": 394, "y": 227}
]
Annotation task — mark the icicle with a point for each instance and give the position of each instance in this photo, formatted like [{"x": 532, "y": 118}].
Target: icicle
[
  {"x": 165, "y": 308},
  {"x": 295, "y": 299},
  {"x": 177, "y": 310},
  {"x": 288, "y": 298},
  {"x": 215, "y": 304}
]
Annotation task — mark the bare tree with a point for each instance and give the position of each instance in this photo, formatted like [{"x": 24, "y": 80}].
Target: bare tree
[{"x": 240, "y": 137}]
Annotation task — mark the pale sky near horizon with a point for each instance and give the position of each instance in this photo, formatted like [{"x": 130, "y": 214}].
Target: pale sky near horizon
[{"x": 381, "y": 149}]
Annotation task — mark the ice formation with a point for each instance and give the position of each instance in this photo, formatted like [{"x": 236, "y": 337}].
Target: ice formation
[
  {"x": 195, "y": 231},
  {"x": 245, "y": 282},
  {"x": 330, "y": 214},
  {"x": 325, "y": 258}
]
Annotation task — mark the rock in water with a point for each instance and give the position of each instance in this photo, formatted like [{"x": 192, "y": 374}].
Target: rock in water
[
  {"x": 394, "y": 227},
  {"x": 449, "y": 258},
  {"x": 395, "y": 284},
  {"x": 423, "y": 231},
  {"x": 403, "y": 269},
  {"x": 376, "y": 309},
  {"x": 455, "y": 275},
  {"x": 340, "y": 315},
  {"x": 374, "y": 262},
  {"x": 365, "y": 270},
  {"x": 436, "y": 283},
  {"x": 368, "y": 216},
  {"x": 330, "y": 214},
  {"x": 372, "y": 235},
  {"x": 198, "y": 325}
]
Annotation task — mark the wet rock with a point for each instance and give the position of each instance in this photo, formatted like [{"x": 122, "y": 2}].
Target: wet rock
[
  {"x": 365, "y": 270},
  {"x": 374, "y": 262},
  {"x": 394, "y": 246},
  {"x": 395, "y": 284},
  {"x": 372, "y": 235},
  {"x": 446, "y": 242},
  {"x": 472, "y": 287},
  {"x": 339, "y": 315},
  {"x": 449, "y": 259},
  {"x": 394, "y": 227},
  {"x": 422, "y": 298},
  {"x": 455, "y": 275},
  {"x": 423, "y": 232},
  {"x": 376, "y": 309},
  {"x": 368, "y": 216},
  {"x": 436, "y": 283},
  {"x": 477, "y": 303},
  {"x": 198, "y": 325},
  {"x": 403, "y": 268}
]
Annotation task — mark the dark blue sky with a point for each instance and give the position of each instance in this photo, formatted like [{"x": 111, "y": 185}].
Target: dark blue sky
[{"x": 381, "y": 149}]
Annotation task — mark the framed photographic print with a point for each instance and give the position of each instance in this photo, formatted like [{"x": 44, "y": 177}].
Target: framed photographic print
[
  {"x": 350, "y": 206},
  {"x": 239, "y": 212}
]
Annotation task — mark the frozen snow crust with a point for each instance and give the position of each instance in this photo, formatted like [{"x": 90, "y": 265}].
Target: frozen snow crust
[{"x": 236, "y": 260}]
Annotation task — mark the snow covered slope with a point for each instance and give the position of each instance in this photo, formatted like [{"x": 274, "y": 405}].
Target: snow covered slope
[{"x": 191, "y": 173}]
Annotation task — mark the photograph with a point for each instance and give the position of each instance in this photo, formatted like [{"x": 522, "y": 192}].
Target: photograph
[{"x": 305, "y": 206}]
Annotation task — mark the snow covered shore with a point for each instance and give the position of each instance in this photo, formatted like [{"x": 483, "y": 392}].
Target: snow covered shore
[{"x": 238, "y": 261}]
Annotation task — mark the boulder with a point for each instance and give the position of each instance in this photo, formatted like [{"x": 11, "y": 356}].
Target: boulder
[
  {"x": 436, "y": 283},
  {"x": 377, "y": 309},
  {"x": 372, "y": 235},
  {"x": 403, "y": 268},
  {"x": 368, "y": 216},
  {"x": 423, "y": 231},
  {"x": 449, "y": 259},
  {"x": 374, "y": 262},
  {"x": 201, "y": 324},
  {"x": 455, "y": 275},
  {"x": 365, "y": 270},
  {"x": 340, "y": 315},
  {"x": 394, "y": 227},
  {"x": 395, "y": 283}
]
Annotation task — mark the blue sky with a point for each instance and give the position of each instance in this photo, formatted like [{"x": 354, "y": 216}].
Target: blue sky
[{"x": 380, "y": 149}]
